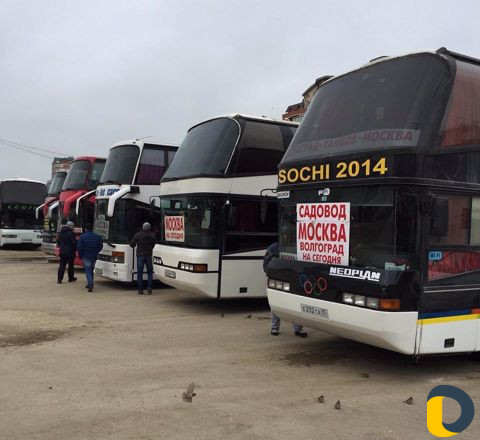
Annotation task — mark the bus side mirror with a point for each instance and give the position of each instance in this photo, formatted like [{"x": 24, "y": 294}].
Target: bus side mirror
[
  {"x": 229, "y": 214},
  {"x": 439, "y": 216},
  {"x": 153, "y": 203}
]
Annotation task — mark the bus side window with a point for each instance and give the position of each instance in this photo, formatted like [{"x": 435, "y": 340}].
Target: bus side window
[
  {"x": 463, "y": 230},
  {"x": 261, "y": 148},
  {"x": 246, "y": 230}
]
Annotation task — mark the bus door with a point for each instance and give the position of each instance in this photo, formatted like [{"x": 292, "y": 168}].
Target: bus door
[{"x": 451, "y": 321}]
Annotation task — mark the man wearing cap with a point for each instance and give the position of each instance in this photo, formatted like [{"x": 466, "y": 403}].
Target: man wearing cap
[
  {"x": 67, "y": 242},
  {"x": 144, "y": 241}
]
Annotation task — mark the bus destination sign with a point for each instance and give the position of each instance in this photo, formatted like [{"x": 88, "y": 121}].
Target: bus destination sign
[{"x": 323, "y": 232}]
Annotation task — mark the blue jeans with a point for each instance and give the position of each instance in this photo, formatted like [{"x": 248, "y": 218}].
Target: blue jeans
[
  {"x": 89, "y": 265},
  {"x": 144, "y": 261},
  {"x": 276, "y": 324}
]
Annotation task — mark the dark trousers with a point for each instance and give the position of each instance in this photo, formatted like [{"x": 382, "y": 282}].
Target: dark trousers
[
  {"x": 61, "y": 268},
  {"x": 144, "y": 260}
]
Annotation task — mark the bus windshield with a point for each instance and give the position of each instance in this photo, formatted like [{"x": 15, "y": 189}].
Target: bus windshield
[
  {"x": 386, "y": 104},
  {"x": 18, "y": 216},
  {"x": 121, "y": 164},
  {"x": 211, "y": 144},
  {"x": 77, "y": 175},
  {"x": 56, "y": 183},
  {"x": 196, "y": 217},
  {"x": 382, "y": 230},
  {"x": 127, "y": 219}
]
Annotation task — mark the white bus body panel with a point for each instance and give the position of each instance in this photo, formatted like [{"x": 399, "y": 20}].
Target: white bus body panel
[
  {"x": 394, "y": 331},
  {"x": 243, "y": 274},
  {"x": 23, "y": 236},
  {"x": 201, "y": 283},
  {"x": 433, "y": 333},
  {"x": 125, "y": 272}
]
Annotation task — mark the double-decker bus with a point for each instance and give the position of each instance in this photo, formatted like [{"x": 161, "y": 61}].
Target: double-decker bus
[
  {"x": 379, "y": 207},
  {"x": 50, "y": 212},
  {"x": 217, "y": 223},
  {"x": 19, "y": 199},
  {"x": 131, "y": 177},
  {"x": 77, "y": 199}
]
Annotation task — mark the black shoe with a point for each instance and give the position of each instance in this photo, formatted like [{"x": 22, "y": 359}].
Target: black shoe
[
  {"x": 149, "y": 291},
  {"x": 72, "y": 280},
  {"x": 274, "y": 332},
  {"x": 140, "y": 292},
  {"x": 301, "y": 334},
  {"x": 59, "y": 281},
  {"x": 90, "y": 289}
]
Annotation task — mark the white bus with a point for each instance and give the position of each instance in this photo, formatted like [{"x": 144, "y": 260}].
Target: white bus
[
  {"x": 19, "y": 199},
  {"x": 215, "y": 226},
  {"x": 131, "y": 177}
]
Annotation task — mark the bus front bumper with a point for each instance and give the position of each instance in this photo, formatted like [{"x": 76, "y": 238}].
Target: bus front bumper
[
  {"x": 394, "y": 331},
  {"x": 114, "y": 271},
  {"x": 20, "y": 236}
]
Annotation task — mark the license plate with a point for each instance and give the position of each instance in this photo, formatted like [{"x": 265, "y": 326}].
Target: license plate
[
  {"x": 98, "y": 271},
  {"x": 315, "y": 311},
  {"x": 170, "y": 273}
]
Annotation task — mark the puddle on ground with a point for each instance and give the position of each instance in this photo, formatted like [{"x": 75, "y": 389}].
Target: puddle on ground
[
  {"x": 30, "y": 337},
  {"x": 309, "y": 358}
]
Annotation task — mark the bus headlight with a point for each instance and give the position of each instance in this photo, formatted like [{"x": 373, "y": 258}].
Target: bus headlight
[
  {"x": 158, "y": 261},
  {"x": 348, "y": 298},
  {"x": 9, "y": 236},
  {"x": 360, "y": 300},
  {"x": 372, "y": 303},
  {"x": 198, "y": 268},
  {"x": 278, "y": 285}
]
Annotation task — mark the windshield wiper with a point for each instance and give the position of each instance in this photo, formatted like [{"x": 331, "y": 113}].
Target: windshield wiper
[
  {"x": 111, "y": 181},
  {"x": 109, "y": 243}
]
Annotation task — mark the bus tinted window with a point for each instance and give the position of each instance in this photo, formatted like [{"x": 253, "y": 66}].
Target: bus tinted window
[
  {"x": 77, "y": 175},
  {"x": 96, "y": 173},
  {"x": 121, "y": 164},
  {"x": 152, "y": 166},
  {"x": 386, "y": 104},
  {"x": 56, "y": 183},
  {"x": 248, "y": 229},
  {"x": 462, "y": 120},
  {"x": 261, "y": 148},
  {"x": 211, "y": 143},
  {"x": 458, "y": 222}
]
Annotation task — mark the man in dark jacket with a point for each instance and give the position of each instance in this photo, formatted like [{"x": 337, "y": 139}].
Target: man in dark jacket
[
  {"x": 89, "y": 245},
  {"x": 67, "y": 242},
  {"x": 145, "y": 242}
]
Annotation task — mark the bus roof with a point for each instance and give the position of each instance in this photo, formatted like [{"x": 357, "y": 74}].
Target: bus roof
[
  {"x": 140, "y": 143},
  {"x": 250, "y": 117},
  {"x": 442, "y": 51},
  {"x": 21, "y": 179}
]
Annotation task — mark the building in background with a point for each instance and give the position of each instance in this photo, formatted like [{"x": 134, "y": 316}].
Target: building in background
[
  {"x": 295, "y": 112},
  {"x": 61, "y": 164}
]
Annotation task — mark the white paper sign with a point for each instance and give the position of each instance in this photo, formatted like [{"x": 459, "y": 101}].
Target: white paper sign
[
  {"x": 323, "y": 233},
  {"x": 175, "y": 228}
]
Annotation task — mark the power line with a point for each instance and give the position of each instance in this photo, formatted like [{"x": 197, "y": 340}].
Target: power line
[
  {"x": 24, "y": 149},
  {"x": 30, "y": 147}
]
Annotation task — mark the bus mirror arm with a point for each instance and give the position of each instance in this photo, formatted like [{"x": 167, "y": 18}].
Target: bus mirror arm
[
  {"x": 439, "y": 216},
  {"x": 229, "y": 213},
  {"x": 263, "y": 203}
]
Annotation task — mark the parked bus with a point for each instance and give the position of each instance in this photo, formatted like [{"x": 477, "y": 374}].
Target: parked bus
[
  {"x": 380, "y": 207},
  {"x": 218, "y": 210},
  {"x": 77, "y": 199},
  {"x": 50, "y": 212},
  {"x": 19, "y": 199},
  {"x": 131, "y": 177}
]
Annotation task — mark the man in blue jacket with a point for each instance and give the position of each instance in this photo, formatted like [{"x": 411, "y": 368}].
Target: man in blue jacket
[{"x": 89, "y": 245}]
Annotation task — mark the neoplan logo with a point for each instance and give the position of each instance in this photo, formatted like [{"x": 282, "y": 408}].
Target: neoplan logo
[{"x": 435, "y": 423}]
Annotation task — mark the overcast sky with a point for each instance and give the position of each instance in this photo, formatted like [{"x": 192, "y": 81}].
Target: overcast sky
[{"x": 77, "y": 75}]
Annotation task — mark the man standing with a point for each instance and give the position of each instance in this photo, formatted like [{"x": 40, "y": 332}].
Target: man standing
[
  {"x": 89, "y": 245},
  {"x": 145, "y": 242},
  {"x": 273, "y": 251},
  {"x": 67, "y": 242}
]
